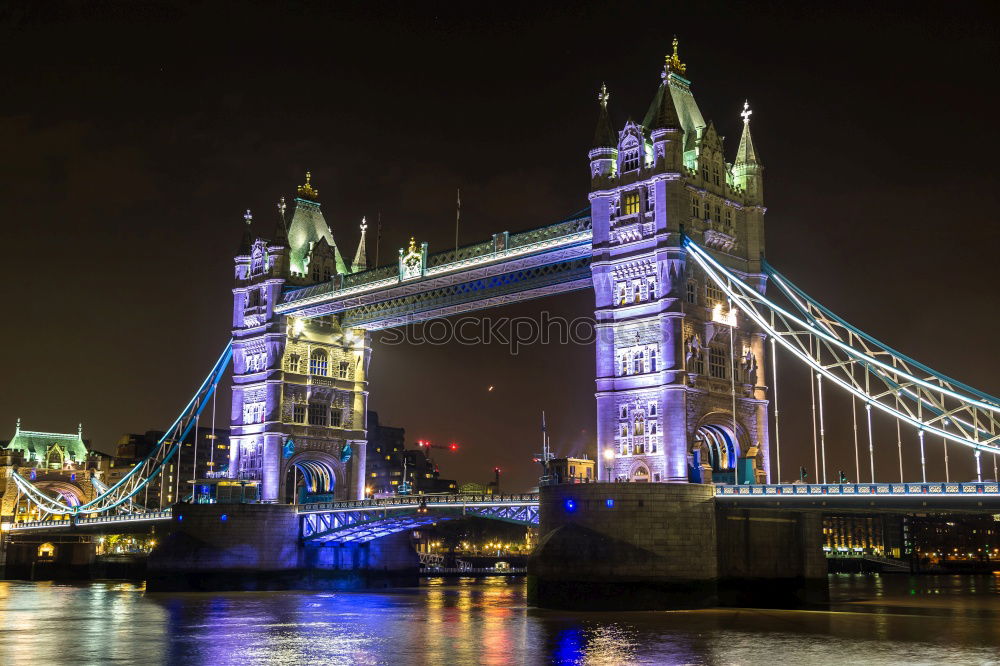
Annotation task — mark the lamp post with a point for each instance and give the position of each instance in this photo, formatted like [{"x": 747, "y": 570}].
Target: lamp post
[{"x": 609, "y": 456}]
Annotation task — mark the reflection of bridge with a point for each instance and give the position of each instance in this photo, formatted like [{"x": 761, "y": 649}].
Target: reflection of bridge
[{"x": 365, "y": 520}]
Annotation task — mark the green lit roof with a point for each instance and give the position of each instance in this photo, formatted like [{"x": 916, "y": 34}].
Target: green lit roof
[{"x": 36, "y": 445}]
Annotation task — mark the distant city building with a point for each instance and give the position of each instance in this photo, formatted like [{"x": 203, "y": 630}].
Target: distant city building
[{"x": 386, "y": 456}]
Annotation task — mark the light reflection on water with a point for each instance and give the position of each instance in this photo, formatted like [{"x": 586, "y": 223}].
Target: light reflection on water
[{"x": 875, "y": 620}]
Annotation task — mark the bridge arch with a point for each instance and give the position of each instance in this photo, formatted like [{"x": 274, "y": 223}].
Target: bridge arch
[
  {"x": 716, "y": 448},
  {"x": 311, "y": 472}
]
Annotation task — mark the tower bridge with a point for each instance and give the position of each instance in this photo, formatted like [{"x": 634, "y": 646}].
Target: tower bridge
[{"x": 672, "y": 246}]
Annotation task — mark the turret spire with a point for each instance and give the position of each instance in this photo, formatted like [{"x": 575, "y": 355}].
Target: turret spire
[
  {"x": 361, "y": 258},
  {"x": 603, "y": 136},
  {"x": 281, "y": 228},
  {"x": 673, "y": 64},
  {"x": 247, "y": 241},
  {"x": 746, "y": 153}
]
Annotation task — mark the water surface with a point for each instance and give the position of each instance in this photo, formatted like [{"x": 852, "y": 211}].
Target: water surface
[{"x": 871, "y": 620}]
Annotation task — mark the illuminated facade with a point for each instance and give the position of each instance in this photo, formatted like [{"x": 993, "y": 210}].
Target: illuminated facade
[
  {"x": 59, "y": 464},
  {"x": 299, "y": 384},
  {"x": 680, "y": 385}
]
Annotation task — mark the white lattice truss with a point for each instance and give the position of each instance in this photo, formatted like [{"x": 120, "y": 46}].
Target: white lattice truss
[{"x": 882, "y": 378}]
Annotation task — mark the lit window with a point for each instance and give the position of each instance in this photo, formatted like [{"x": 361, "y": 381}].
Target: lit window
[
  {"x": 637, "y": 292},
  {"x": 630, "y": 160},
  {"x": 622, "y": 293},
  {"x": 318, "y": 414},
  {"x": 631, "y": 202},
  {"x": 717, "y": 362},
  {"x": 714, "y": 294},
  {"x": 317, "y": 363},
  {"x": 624, "y": 365}
]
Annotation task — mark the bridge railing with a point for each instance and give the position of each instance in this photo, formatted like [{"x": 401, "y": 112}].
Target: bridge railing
[
  {"x": 137, "y": 517},
  {"x": 406, "y": 501},
  {"x": 956, "y": 488}
]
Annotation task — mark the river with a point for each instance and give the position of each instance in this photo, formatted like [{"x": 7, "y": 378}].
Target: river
[{"x": 871, "y": 620}]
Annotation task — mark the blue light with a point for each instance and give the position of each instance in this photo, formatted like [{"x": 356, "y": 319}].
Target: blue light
[
  {"x": 180, "y": 518},
  {"x": 570, "y": 505},
  {"x": 223, "y": 517},
  {"x": 610, "y": 503}
]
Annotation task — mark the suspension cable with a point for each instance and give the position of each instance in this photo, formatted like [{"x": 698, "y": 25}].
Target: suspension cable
[
  {"x": 923, "y": 458},
  {"x": 854, "y": 420},
  {"x": 774, "y": 392},
  {"x": 979, "y": 469},
  {"x": 822, "y": 430},
  {"x": 812, "y": 391},
  {"x": 732, "y": 390},
  {"x": 871, "y": 441},
  {"x": 947, "y": 476}
]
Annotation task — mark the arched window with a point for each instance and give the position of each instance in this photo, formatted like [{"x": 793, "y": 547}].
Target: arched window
[
  {"x": 652, "y": 409},
  {"x": 652, "y": 359},
  {"x": 652, "y": 428},
  {"x": 637, "y": 363},
  {"x": 317, "y": 363},
  {"x": 637, "y": 292},
  {"x": 640, "y": 426},
  {"x": 630, "y": 160},
  {"x": 624, "y": 430}
]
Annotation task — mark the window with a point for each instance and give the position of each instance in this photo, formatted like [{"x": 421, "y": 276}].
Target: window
[
  {"x": 637, "y": 292},
  {"x": 336, "y": 417},
  {"x": 714, "y": 294},
  {"x": 298, "y": 413},
  {"x": 637, "y": 364},
  {"x": 624, "y": 365},
  {"x": 651, "y": 283},
  {"x": 718, "y": 214},
  {"x": 253, "y": 298},
  {"x": 344, "y": 367},
  {"x": 631, "y": 202},
  {"x": 715, "y": 175},
  {"x": 640, "y": 426},
  {"x": 649, "y": 199},
  {"x": 630, "y": 160},
  {"x": 652, "y": 428},
  {"x": 294, "y": 363},
  {"x": 717, "y": 362},
  {"x": 622, "y": 291},
  {"x": 317, "y": 414},
  {"x": 652, "y": 409},
  {"x": 624, "y": 412},
  {"x": 729, "y": 216},
  {"x": 692, "y": 292},
  {"x": 707, "y": 209},
  {"x": 326, "y": 273},
  {"x": 704, "y": 171},
  {"x": 695, "y": 207},
  {"x": 652, "y": 359},
  {"x": 316, "y": 272},
  {"x": 317, "y": 363}
]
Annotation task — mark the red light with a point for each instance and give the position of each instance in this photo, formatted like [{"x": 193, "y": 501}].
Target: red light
[{"x": 454, "y": 447}]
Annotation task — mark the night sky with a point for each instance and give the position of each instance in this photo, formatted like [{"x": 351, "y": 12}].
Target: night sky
[{"x": 134, "y": 135}]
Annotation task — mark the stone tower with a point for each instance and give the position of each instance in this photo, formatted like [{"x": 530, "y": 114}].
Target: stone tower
[
  {"x": 299, "y": 385},
  {"x": 680, "y": 393}
]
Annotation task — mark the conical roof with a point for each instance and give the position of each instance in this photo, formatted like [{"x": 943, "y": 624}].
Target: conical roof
[
  {"x": 746, "y": 154},
  {"x": 360, "y": 262},
  {"x": 603, "y": 136}
]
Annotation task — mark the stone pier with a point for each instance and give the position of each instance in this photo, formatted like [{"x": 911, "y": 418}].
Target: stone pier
[
  {"x": 642, "y": 546},
  {"x": 257, "y": 547}
]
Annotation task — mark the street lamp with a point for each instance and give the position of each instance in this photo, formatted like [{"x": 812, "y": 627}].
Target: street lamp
[{"x": 609, "y": 456}]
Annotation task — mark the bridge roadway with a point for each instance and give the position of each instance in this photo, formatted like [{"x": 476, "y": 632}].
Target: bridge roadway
[{"x": 364, "y": 520}]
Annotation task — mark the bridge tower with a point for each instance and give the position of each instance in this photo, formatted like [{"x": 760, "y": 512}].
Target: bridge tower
[
  {"x": 299, "y": 385},
  {"x": 680, "y": 394}
]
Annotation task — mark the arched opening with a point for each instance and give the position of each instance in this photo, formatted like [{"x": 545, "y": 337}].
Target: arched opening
[
  {"x": 716, "y": 447},
  {"x": 47, "y": 551},
  {"x": 309, "y": 478},
  {"x": 640, "y": 474}
]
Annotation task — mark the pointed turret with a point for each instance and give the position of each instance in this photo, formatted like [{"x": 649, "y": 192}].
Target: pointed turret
[
  {"x": 308, "y": 226},
  {"x": 603, "y": 136},
  {"x": 747, "y": 169},
  {"x": 746, "y": 153},
  {"x": 281, "y": 227},
  {"x": 247, "y": 241},
  {"x": 360, "y": 262}
]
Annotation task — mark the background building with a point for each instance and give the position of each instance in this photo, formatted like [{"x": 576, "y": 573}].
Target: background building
[{"x": 388, "y": 459}]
